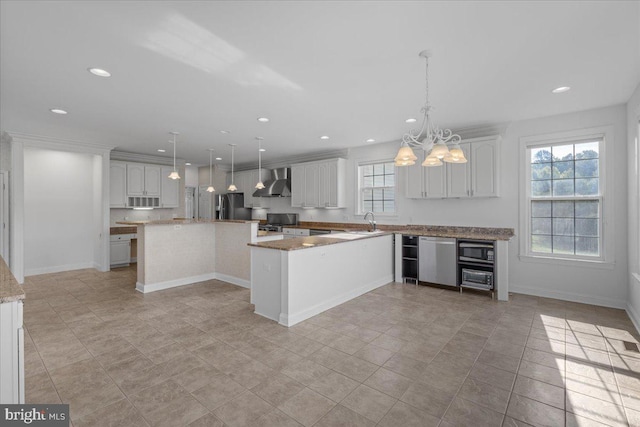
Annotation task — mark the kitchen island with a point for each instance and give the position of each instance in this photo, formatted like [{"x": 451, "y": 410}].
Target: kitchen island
[
  {"x": 180, "y": 252},
  {"x": 295, "y": 279}
]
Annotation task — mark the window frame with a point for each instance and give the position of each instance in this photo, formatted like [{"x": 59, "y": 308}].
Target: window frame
[
  {"x": 360, "y": 188},
  {"x": 605, "y": 196}
]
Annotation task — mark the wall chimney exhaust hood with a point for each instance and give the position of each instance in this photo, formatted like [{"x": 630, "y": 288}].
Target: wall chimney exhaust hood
[{"x": 278, "y": 185}]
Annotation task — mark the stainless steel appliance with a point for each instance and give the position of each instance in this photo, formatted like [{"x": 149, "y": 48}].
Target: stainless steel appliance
[
  {"x": 316, "y": 232},
  {"x": 278, "y": 185},
  {"x": 232, "y": 207},
  {"x": 437, "y": 261},
  {"x": 275, "y": 222},
  {"x": 481, "y": 252},
  {"x": 477, "y": 279}
]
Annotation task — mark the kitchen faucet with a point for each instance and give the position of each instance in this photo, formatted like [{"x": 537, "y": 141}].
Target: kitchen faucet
[{"x": 372, "y": 221}]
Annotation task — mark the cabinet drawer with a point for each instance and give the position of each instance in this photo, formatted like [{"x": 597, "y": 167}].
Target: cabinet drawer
[{"x": 122, "y": 237}]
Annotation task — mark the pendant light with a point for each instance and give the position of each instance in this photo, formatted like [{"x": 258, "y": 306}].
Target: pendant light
[
  {"x": 210, "y": 189},
  {"x": 174, "y": 174},
  {"x": 232, "y": 187},
  {"x": 260, "y": 185}
]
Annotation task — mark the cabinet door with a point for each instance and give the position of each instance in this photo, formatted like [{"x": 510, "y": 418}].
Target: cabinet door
[
  {"x": 459, "y": 176},
  {"x": 414, "y": 183},
  {"x": 135, "y": 179},
  {"x": 324, "y": 186},
  {"x": 152, "y": 181},
  {"x": 170, "y": 189},
  {"x": 434, "y": 182},
  {"x": 297, "y": 185},
  {"x": 118, "y": 185},
  {"x": 120, "y": 252},
  {"x": 484, "y": 173},
  {"x": 311, "y": 186}
]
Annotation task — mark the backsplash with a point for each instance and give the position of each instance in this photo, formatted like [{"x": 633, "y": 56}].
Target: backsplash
[{"x": 139, "y": 215}]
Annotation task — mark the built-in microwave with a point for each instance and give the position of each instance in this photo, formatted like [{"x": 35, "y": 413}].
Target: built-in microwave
[
  {"x": 476, "y": 252},
  {"x": 477, "y": 279}
]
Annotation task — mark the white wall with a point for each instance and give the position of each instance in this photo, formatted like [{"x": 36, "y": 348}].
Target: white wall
[
  {"x": 59, "y": 215},
  {"x": 190, "y": 176},
  {"x": 633, "y": 147}
]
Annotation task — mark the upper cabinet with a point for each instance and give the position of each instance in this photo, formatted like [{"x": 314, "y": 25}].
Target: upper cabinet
[
  {"x": 143, "y": 180},
  {"x": 479, "y": 177},
  {"x": 320, "y": 184},
  {"x": 246, "y": 182},
  {"x": 142, "y": 185},
  {"x": 118, "y": 185},
  {"x": 170, "y": 189}
]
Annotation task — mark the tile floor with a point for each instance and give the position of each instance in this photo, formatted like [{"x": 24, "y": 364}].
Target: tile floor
[{"x": 399, "y": 356}]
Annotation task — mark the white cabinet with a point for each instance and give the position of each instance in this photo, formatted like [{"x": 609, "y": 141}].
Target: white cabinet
[
  {"x": 143, "y": 180},
  {"x": 118, "y": 185},
  {"x": 170, "y": 189},
  {"x": 290, "y": 233},
  {"x": 478, "y": 177},
  {"x": 425, "y": 182},
  {"x": 120, "y": 250},
  {"x": 484, "y": 168},
  {"x": 246, "y": 182},
  {"x": 11, "y": 353},
  {"x": 332, "y": 178},
  {"x": 142, "y": 185},
  {"x": 297, "y": 185},
  {"x": 459, "y": 176},
  {"x": 319, "y": 184}
]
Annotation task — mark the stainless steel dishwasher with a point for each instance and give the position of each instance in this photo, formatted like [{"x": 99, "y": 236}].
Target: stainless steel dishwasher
[{"x": 437, "y": 261}]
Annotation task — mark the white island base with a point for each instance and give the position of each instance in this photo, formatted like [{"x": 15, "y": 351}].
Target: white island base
[{"x": 290, "y": 286}]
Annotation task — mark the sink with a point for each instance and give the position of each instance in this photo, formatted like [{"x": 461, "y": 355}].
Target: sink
[{"x": 345, "y": 236}]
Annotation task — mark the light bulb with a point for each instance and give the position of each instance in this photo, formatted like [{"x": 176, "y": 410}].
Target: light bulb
[
  {"x": 259, "y": 185},
  {"x": 210, "y": 189},
  {"x": 232, "y": 187},
  {"x": 405, "y": 154},
  {"x": 174, "y": 175},
  {"x": 439, "y": 150}
]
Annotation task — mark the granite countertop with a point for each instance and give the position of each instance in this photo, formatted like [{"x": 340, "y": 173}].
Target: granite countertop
[
  {"x": 10, "y": 290},
  {"x": 185, "y": 221},
  {"x": 309, "y": 242},
  {"x": 478, "y": 233}
]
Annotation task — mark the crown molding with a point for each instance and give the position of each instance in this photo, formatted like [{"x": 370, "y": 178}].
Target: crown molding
[
  {"x": 47, "y": 142},
  {"x": 482, "y": 130},
  {"x": 126, "y": 156},
  {"x": 288, "y": 161}
]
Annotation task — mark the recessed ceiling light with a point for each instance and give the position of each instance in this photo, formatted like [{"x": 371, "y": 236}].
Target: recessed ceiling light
[
  {"x": 324, "y": 137},
  {"x": 263, "y": 119},
  {"x": 371, "y": 140},
  {"x": 187, "y": 164},
  {"x": 58, "y": 111},
  {"x": 160, "y": 150},
  {"x": 225, "y": 132},
  {"x": 218, "y": 158},
  {"x": 561, "y": 89},
  {"x": 410, "y": 120},
  {"x": 99, "y": 72}
]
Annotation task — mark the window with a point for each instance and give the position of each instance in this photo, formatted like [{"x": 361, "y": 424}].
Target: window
[
  {"x": 564, "y": 199},
  {"x": 377, "y": 187}
]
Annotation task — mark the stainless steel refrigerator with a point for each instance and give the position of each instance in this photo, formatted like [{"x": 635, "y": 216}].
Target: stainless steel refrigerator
[{"x": 231, "y": 206}]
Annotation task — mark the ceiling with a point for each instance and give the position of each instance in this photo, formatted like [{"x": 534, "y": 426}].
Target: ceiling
[{"x": 348, "y": 70}]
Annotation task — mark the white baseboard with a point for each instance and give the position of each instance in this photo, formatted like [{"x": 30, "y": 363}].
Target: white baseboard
[
  {"x": 634, "y": 316},
  {"x": 145, "y": 289},
  {"x": 294, "y": 318},
  {"x": 565, "y": 296},
  {"x": 233, "y": 280},
  {"x": 58, "y": 268}
]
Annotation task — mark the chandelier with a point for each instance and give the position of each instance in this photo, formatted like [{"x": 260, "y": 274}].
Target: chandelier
[{"x": 439, "y": 144}]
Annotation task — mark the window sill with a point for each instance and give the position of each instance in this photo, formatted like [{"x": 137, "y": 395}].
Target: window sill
[
  {"x": 604, "y": 265},
  {"x": 380, "y": 215}
]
